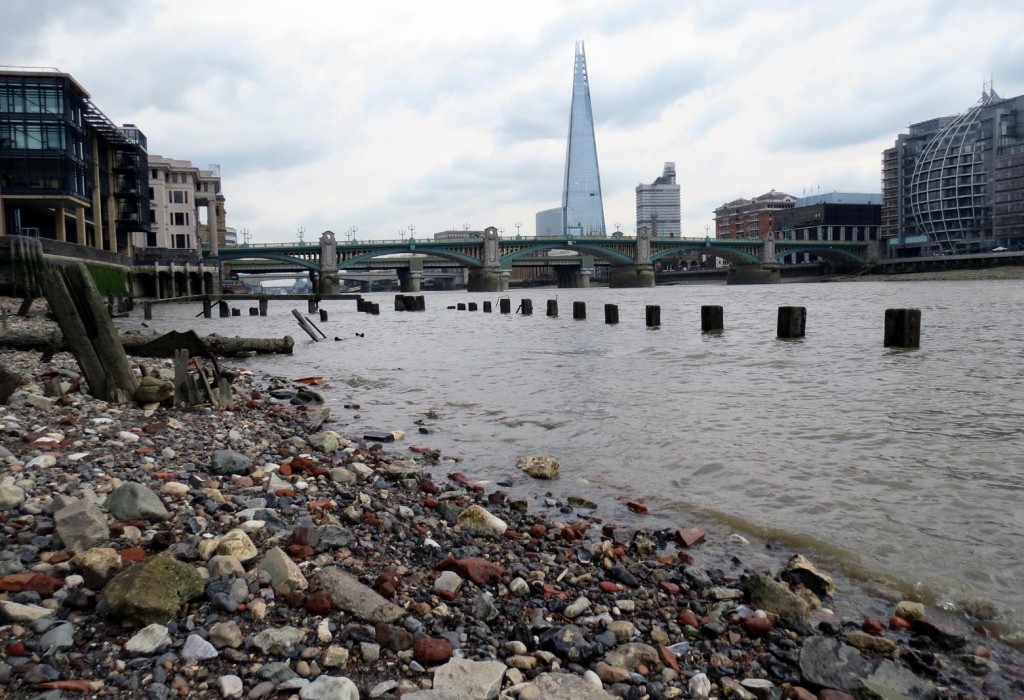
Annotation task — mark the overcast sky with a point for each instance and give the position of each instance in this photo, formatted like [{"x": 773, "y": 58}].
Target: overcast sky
[{"x": 387, "y": 116}]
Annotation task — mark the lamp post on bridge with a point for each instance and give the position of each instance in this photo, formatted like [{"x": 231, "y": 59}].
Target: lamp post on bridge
[
  {"x": 302, "y": 232},
  {"x": 518, "y": 224},
  {"x": 351, "y": 234}
]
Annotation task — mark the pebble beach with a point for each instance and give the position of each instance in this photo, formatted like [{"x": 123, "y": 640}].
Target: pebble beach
[{"x": 253, "y": 551}]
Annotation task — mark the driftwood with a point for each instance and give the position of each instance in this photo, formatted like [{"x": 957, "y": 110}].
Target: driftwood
[
  {"x": 134, "y": 342},
  {"x": 89, "y": 332}
]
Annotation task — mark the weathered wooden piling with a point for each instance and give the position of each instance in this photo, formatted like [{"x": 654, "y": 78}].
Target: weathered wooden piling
[
  {"x": 711, "y": 319},
  {"x": 207, "y": 308},
  {"x": 305, "y": 325},
  {"x": 552, "y": 307},
  {"x": 487, "y": 307},
  {"x": 526, "y": 307},
  {"x": 461, "y": 306},
  {"x": 611, "y": 313},
  {"x": 653, "y": 315},
  {"x": 903, "y": 328},
  {"x": 374, "y": 308},
  {"x": 505, "y": 305},
  {"x": 472, "y": 306},
  {"x": 147, "y": 310},
  {"x": 579, "y": 310},
  {"x": 254, "y": 311},
  {"x": 264, "y": 302},
  {"x": 361, "y": 305},
  {"x": 223, "y": 309},
  {"x": 399, "y": 302},
  {"x": 792, "y": 321},
  {"x": 236, "y": 312},
  {"x": 313, "y": 304},
  {"x": 323, "y": 315}
]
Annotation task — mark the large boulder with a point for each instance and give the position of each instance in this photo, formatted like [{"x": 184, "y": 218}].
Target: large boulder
[
  {"x": 132, "y": 501},
  {"x": 539, "y": 466},
  {"x": 153, "y": 590}
]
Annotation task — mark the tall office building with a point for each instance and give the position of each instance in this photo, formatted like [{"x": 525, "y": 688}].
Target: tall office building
[
  {"x": 583, "y": 208},
  {"x": 657, "y": 205},
  {"x": 66, "y": 171},
  {"x": 955, "y": 184}
]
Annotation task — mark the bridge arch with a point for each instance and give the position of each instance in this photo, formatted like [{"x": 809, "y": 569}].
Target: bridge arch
[
  {"x": 460, "y": 258},
  {"x": 255, "y": 254},
  {"x": 613, "y": 256},
  {"x": 733, "y": 256}
]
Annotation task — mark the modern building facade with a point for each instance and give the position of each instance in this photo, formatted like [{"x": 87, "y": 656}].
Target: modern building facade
[
  {"x": 66, "y": 171},
  {"x": 657, "y": 205},
  {"x": 582, "y": 210},
  {"x": 751, "y": 218},
  {"x": 955, "y": 184},
  {"x": 186, "y": 206},
  {"x": 836, "y": 216}
]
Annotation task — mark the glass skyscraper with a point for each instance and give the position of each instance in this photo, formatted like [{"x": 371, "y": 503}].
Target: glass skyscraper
[{"x": 582, "y": 205}]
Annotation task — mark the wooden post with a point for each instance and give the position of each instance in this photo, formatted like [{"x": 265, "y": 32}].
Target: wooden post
[
  {"x": 399, "y": 302},
  {"x": 207, "y": 308},
  {"x": 263, "y": 306},
  {"x": 312, "y": 303},
  {"x": 472, "y": 306},
  {"x": 487, "y": 307},
  {"x": 552, "y": 307},
  {"x": 711, "y": 319},
  {"x": 653, "y": 315},
  {"x": 223, "y": 309},
  {"x": 461, "y": 306},
  {"x": 792, "y": 321},
  {"x": 505, "y": 305},
  {"x": 305, "y": 325},
  {"x": 323, "y": 315},
  {"x": 611, "y": 313},
  {"x": 526, "y": 307},
  {"x": 180, "y": 377},
  {"x": 375, "y": 308},
  {"x": 361, "y": 305},
  {"x": 236, "y": 312},
  {"x": 579, "y": 310},
  {"x": 90, "y": 333},
  {"x": 421, "y": 302},
  {"x": 147, "y": 310},
  {"x": 903, "y": 328},
  {"x": 254, "y": 311}
]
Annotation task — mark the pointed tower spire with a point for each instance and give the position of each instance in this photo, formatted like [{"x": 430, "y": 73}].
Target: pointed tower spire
[{"x": 582, "y": 206}]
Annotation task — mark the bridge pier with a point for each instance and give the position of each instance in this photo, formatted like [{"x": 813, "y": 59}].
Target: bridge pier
[
  {"x": 753, "y": 274},
  {"x": 410, "y": 280},
  {"x": 621, "y": 276},
  {"x": 329, "y": 283},
  {"x": 572, "y": 278},
  {"x": 487, "y": 280}
]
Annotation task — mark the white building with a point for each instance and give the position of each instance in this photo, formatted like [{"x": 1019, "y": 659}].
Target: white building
[
  {"x": 657, "y": 205},
  {"x": 186, "y": 206}
]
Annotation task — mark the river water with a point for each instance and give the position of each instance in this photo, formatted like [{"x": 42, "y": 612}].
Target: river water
[{"x": 900, "y": 466}]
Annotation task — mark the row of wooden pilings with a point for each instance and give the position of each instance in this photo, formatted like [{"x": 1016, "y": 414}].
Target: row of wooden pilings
[{"x": 902, "y": 326}]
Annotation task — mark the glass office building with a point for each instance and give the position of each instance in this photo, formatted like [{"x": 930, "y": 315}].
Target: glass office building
[{"x": 582, "y": 205}]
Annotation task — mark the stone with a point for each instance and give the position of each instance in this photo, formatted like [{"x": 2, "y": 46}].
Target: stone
[
  {"x": 765, "y": 593},
  {"x": 577, "y": 607},
  {"x": 334, "y": 657},
  {"x": 632, "y": 655},
  {"x": 539, "y": 466},
  {"x": 278, "y": 640},
  {"x": 330, "y": 688},
  {"x": 473, "y": 679},
  {"x": 431, "y": 651},
  {"x": 282, "y": 570},
  {"x": 196, "y": 647},
  {"x": 148, "y": 640},
  {"x": 227, "y": 462},
  {"x": 476, "y": 569},
  {"x": 800, "y": 571},
  {"x": 910, "y": 610},
  {"x": 356, "y": 598},
  {"x": 829, "y": 663},
  {"x": 237, "y": 544},
  {"x": 20, "y": 612},
  {"x": 11, "y": 497},
  {"x": 153, "y": 590},
  {"x": 478, "y": 520},
  {"x": 132, "y": 501},
  {"x": 563, "y": 686},
  {"x": 81, "y": 525},
  {"x": 570, "y": 643},
  {"x": 690, "y": 536},
  {"x": 447, "y": 582},
  {"x": 892, "y": 682},
  {"x": 96, "y": 566},
  {"x": 230, "y": 686},
  {"x": 226, "y": 633},
  {"x": 223, "y": 565},
  {"x": 871, "y": 643},
  {"x": 327, "y": 442},
  {"x": 57, "y": 639}
]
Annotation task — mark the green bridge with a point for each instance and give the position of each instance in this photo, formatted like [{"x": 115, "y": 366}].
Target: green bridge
[{"x": 489, "y": 258}]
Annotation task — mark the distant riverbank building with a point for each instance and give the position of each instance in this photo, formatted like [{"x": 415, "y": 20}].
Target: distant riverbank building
[
  {"x": 955, "y": 184},
  {"x": 751, "y": 218},
  {"x": 657, "y": 205}
]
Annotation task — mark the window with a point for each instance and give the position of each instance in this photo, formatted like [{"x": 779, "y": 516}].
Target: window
[
  {"x": 151, "y": 194},
  {"x": 177, "y": 197},
  {"x": 179, "y": 218}
]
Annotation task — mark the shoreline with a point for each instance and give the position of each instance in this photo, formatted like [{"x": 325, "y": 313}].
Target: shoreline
[{"x": 634, "y": 612}]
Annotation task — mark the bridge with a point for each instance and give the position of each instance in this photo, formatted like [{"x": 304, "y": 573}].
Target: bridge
[{"x": 489, "y": 258}]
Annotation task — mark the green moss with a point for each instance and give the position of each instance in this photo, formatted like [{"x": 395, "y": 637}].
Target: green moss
[{"x": 110, "y": 280}]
